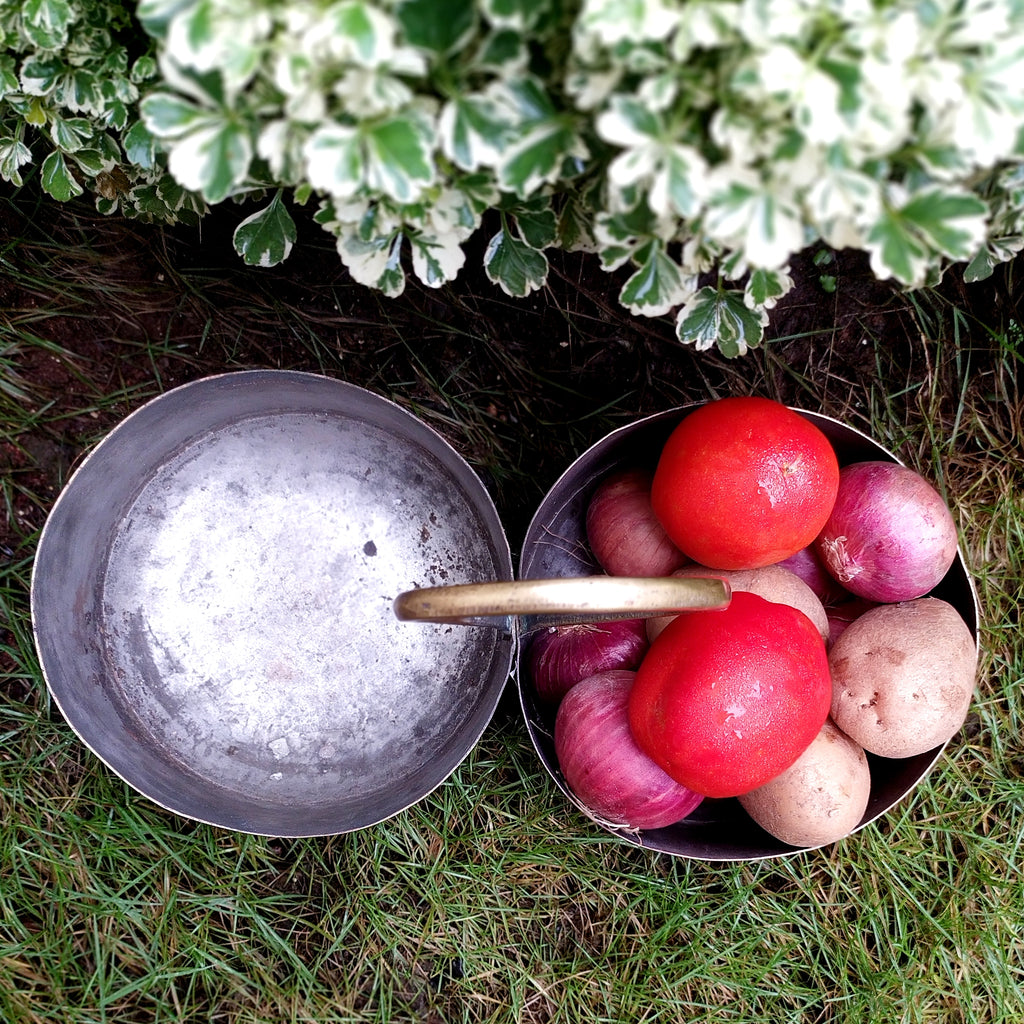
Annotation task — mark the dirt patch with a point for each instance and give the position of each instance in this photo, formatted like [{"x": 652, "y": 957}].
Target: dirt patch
[{"x": 122, "y": 311}]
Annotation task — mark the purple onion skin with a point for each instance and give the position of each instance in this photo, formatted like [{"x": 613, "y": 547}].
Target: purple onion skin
[
  {"x": 807, "y": 564},
  {"x": 603, "y": 766},
  {"x": 561, "y": 656},
  {"x": 890, "y": 537},
  {"x": 624, "y": 534}
]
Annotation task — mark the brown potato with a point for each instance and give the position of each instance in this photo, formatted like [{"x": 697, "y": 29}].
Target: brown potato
[
  {"x": 841, "y": 615},
  {"x": 903, "y": 677},
  {"x": 820, "y": 798},
  {"x": 772, "y": 582}
]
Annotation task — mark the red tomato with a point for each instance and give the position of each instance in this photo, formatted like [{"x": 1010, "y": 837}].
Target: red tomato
[
  {"x": 726, "y": 700},
  {"x": 744, "y": 482}
]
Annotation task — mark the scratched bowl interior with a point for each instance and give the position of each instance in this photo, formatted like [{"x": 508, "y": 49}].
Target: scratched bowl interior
[
  {"x": 212, "y": 601},
  {"x": 556, "y": 545}
]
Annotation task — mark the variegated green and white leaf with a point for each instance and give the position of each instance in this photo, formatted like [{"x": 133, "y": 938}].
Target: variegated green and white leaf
[
  {"x": 436, "y": 259},
  {"x": 619, "y": 21},
  {"x": 780, "y": 74},
  {"x": 334, "y": 160},
  {"x": 517, "y": 14},
  {"x": 366, "y": 93},
  {"x": 537, "y": 223},
  {"x": 89, "y": 161},
  {"x": 536, "y": 158},
  {"x": 479, "y": 190},
  {"x": 81, "y": 91},
  {"x": 526, "y": 99},
  {"x": 265, "y": 238},
  {"x": 143, "y": 69},
  {"x": 629, "y": 170},
  {"x": 628, "y": 123},
  {"x": 473, "y": 131},
  {"x": 211, "y": 35},
  {"x": 592, "y": 87},
  {"x": 57, "y": 179},
  {"x": 765, "y": 288},
  {"x": 41, "y": 74},
  {"x": 517, "y": 268},
  {"x": 193, "y": 34},
  {"x": 376, "y": 263},
  {"x": 205, "y": 88},
  {"x": 140, "y": 146},
  {"x": 759, "y": 218},
  {"x": 673, "y": 174},
  {"x": 14, "y": 154},
  {"x": 620, "y": 233},
  {"x": 909, "y": 234},
  {"x": 720, "y": 317},
  {"x": 293, "y": 72},
  {"x": 981, "y": 267},
  {"x": 990, "y": 116},
  {"x": 441, "y": 26},
  {"x": 281, "y": 144},
  {"x": 156, "y": 15},
  {"x": 841, "y": 204},
  {"x": 166, "y": 200},
  {"x": 8, "y": 75},
  {"x": 997, "y": 251},
  {"x": 46, "y": 22},
  {"x": 167, "y": 116},
  {"x": 660, "y": 90},
  {"x": 399, "y": 156},
  {"x": 765, "y": 20},
  {"x": 354, "y": 31},
  {"x": 657, "y": 285},
  {"x": 679, "y": 183},
  {"x": 700, "y": 254},
  {"x": 71, "y": 133},
  {"x": 212, "y": 159},
  {"x": 703, "y": 26},
  {"x": 615, "y": 256}
]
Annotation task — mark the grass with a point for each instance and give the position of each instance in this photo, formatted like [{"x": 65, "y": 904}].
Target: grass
[{"x": 491, "y": 900}]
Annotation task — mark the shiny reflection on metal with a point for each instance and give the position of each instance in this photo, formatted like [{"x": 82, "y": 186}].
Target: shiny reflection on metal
[
  {"x": 555, "y": 545},
  {"x": 212, "y": 604},
  {"x": 563, "y": 600}
]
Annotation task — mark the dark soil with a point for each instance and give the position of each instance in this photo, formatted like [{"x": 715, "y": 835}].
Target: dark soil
[{"x": 519, "y": 387}]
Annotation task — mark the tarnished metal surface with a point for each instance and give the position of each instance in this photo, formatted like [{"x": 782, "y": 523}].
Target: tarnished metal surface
[{"x": 213, "y": 604}]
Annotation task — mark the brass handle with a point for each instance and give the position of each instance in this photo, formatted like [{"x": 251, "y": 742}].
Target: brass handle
[{"x": 570, "y": 599}]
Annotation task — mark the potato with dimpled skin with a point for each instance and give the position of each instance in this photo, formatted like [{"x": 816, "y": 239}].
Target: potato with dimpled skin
[
  {"x": 819, "y": 798},
  {"x": 903, "y": 677},
  {"x": 772, "y": 582}
]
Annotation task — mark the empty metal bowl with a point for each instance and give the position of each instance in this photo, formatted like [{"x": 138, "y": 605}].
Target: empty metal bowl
[{"x": 212, "y": 604}]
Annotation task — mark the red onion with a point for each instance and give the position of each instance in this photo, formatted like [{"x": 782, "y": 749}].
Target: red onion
[
  {"x": 613, "y": 778},
  {"x": 624, "y": 534},
  {"x": 890, "y": 536},
  {"x": 560, "y": 656},
  {"x": 807, "y": 564}
]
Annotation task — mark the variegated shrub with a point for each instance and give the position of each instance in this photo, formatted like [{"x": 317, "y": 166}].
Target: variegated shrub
[{"x": 685, "y": 141}]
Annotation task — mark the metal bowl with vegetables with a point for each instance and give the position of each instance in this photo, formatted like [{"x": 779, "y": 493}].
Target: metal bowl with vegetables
[{"x": 722, "y": 828}]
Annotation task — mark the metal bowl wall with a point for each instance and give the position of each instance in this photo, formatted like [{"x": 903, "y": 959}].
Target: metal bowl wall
[
  {"x": 212, "y": 593},
  {"x": 556, "y": 545}
]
